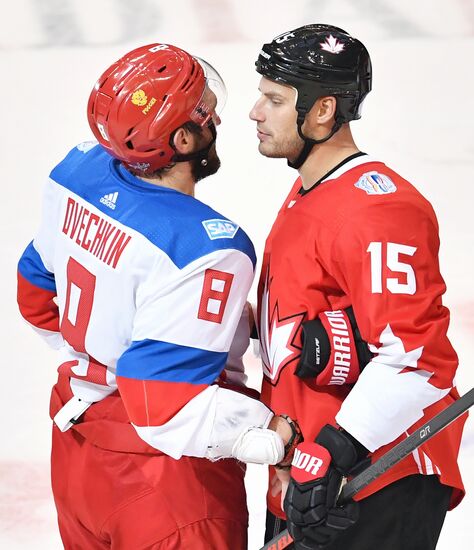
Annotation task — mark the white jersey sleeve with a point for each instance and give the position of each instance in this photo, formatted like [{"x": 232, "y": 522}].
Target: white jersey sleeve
[{"x": 150, "y": 286}]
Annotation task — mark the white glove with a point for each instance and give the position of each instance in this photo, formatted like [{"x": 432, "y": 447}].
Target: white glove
[
  {"x": 259, "y": 446},
  {"x": 240, "y": 430}
]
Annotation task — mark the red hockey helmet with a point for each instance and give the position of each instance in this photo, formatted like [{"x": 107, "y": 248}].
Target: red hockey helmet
[{"x": 147, "y": 94}]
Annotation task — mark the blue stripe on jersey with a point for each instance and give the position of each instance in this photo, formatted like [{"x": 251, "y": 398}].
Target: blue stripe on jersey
[
  {"x": 156, "y": 360},
  {"x": 32, "y": 268},
  {"x": 169, "y": 219}
]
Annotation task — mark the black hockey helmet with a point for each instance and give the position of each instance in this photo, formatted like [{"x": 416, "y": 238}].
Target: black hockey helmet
[{"x": 319, "y": 60}]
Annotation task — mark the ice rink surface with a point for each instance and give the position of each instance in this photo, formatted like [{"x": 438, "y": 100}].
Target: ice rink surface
[{"x": 418, "y": 119}]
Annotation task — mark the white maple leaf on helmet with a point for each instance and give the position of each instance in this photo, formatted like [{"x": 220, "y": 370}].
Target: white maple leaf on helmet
[{"x": 332, "y": 45}]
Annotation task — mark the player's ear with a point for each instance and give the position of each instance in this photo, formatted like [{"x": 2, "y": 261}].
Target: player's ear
[
  {"x": 326, "y": 109},
  {"x": 184, "y": 141},
  {"x": 322, "y": 113}
]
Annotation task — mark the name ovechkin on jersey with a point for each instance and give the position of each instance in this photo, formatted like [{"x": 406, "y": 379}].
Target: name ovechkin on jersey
[{"x": 94, "y": 234}]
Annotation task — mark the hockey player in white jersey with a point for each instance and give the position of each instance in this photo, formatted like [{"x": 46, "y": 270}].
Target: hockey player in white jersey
[{"x": 141, "y": 288}]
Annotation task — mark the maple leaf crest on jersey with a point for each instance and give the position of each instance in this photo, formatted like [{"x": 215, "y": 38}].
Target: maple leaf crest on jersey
[
  {"x": 317, "y": 257},
  {"x": 277, "y": 337}
]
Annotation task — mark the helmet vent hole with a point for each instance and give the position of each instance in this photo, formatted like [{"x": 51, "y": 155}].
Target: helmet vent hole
[
  {"x": 162, "y": 69},
  {"x": 129, "y": 143}
]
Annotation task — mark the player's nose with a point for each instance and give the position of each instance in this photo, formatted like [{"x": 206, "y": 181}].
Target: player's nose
[
  {"x": 216, "y": 119},
  {"x": 256, "y": 113}
]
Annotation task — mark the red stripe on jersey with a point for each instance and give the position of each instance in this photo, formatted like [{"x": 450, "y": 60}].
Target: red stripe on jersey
[
  {"x": 154, "y": 402},
  {"x": 96, "y": 371},
  {"x": 37, "y": 306}
]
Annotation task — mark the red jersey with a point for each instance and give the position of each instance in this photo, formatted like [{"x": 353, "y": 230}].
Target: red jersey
[{"x": 363, "y": 236}]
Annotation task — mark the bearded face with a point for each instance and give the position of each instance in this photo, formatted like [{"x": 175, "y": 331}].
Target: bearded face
[{"x": 200, "y": 170}]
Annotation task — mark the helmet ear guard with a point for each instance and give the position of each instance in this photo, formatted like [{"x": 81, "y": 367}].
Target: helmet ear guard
[{"x": 318, "y": 61}]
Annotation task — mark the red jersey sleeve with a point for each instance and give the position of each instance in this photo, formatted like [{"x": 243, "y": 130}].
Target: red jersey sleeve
[
  {"x": 36, "y": 292},
  {"x": 386, "y": 259}
]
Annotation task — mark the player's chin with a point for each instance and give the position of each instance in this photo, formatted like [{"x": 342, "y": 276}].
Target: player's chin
[
  {"x": 212, "y": 165},
  {"x": 267, "y": 150}
]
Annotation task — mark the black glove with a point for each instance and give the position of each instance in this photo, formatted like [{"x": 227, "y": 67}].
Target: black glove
[
  {"x": 313, "y": 518},
  {"x": 333, "y": 350}
]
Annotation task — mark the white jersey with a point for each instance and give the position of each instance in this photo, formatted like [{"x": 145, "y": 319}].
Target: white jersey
[{"x": 150, "y": 285}]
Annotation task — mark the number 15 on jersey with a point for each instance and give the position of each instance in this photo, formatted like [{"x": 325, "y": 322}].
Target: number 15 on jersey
[{"x": 391, "y": 252}]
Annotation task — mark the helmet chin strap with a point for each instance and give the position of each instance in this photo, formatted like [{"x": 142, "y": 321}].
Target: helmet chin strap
[
  {"x": 200, "y": 155},
  {"x": 309, "y": 143}
]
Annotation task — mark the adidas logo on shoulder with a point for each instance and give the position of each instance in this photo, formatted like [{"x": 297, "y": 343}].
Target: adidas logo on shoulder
[{"x": 110, "y": 200}]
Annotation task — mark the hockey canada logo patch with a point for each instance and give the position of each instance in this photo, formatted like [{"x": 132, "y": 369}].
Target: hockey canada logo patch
[
  {"x": 374, "y": 183},
  {"x": 220, "y": 229}
]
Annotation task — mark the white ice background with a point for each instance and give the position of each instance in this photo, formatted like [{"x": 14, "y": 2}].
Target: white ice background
[{"x": 418, "y": 119}]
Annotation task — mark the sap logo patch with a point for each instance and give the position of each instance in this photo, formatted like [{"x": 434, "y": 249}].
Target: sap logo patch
[
  {"x": 374, "y": 183},
  {"x": 220, "y": 229}
]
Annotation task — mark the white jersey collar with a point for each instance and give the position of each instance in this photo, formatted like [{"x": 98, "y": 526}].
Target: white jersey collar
[{"x": 349, "y": 165}]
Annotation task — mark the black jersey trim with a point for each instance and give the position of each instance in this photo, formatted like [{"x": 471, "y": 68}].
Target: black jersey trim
[{"x": 304, "y": 191}]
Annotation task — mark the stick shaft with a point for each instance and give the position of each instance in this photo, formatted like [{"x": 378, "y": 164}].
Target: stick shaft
[
  {"x": 407, "y": 446},
  {"x": 389, "y": 459}
]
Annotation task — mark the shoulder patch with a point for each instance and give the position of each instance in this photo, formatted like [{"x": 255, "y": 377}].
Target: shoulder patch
[
  {"x": 220, "y": 229},
  {"x": 86, "y": 146},
  {"x": 374, "y": 183}
]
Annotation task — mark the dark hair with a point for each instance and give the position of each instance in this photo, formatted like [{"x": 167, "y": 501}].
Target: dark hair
[{"x": 191, "y": 127}]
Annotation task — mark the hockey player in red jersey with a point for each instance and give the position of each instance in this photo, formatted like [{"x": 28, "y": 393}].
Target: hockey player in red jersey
[
  {"x": 353, "y": 241},
  {"x": 142, "y": 289}
]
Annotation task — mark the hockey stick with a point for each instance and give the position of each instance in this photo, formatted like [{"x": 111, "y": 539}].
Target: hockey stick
[{"x": 389, "y": 459}]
